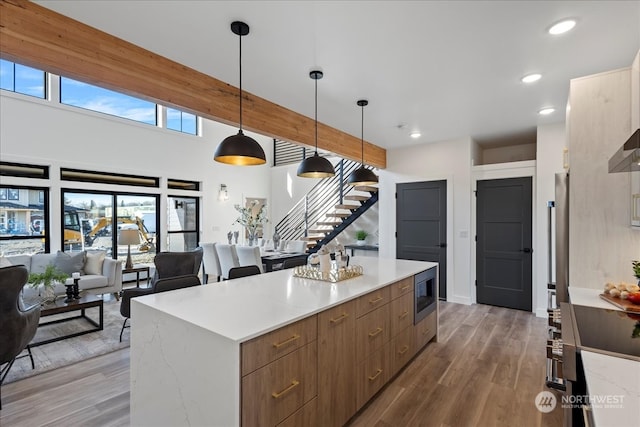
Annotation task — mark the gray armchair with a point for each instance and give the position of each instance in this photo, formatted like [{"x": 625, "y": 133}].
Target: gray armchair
[
  {"x": 172, "y": 264},
  {"x": 160, "y": 285},
  {"x": 17, "y": 326}
]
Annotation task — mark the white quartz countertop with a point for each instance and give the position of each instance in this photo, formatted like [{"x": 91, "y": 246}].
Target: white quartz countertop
[
  {"x": 613, "y": 385},
  {"x": 589, "y": 297},
  {"x": 241, "y": 309}
]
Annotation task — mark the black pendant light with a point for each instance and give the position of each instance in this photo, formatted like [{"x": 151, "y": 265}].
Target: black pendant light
[
  {"x": 316, "y": 166},
  {"x": 362, "y": 175},
  {"x": 240, "y": 149}
]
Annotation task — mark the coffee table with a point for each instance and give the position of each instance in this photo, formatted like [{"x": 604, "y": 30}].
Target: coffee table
[{"x": 59, "y": 306}]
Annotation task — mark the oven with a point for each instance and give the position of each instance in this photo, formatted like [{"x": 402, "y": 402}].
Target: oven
[{"x": 425, "y": 292}]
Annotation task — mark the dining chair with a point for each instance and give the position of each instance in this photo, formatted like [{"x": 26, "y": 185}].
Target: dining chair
[
  {"x": 293, "y": 262},
  {"x": 249, "y": 255},
  {"x": 247, "y": 270},
  {"x": 228, "y": 257},
  {"x": 296, "y": 246},
  {"x": 210, "y": 262}
]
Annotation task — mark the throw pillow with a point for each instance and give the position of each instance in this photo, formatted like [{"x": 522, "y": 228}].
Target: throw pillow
[
  {"x": 69, "y": 262},
  {"x": 94, "y": 261}
]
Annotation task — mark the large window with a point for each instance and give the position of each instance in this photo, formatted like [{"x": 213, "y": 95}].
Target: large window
[
  {"x": 24, "y": 216},
  {"x": 92, "y": 221},
  {"x": 22, "y": 79},
  {"x": 182, "y": 223},
  {"x": 83, "y": 95},
  {"x": 181, "y": 121}
]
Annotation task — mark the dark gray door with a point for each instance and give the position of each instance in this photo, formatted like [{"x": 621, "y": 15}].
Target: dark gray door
[
  {"x": 421, "y": 224},
  {"x": 503, "y": 247}
]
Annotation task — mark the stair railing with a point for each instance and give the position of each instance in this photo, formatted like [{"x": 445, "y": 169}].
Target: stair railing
[{"x": 316, "y": 203}]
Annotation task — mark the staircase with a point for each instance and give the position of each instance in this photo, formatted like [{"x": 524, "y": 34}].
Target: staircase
[{"x": 327, "y": 209}]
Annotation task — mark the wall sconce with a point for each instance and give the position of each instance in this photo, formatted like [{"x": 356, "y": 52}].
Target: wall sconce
[{"x": 223, "y": 195}]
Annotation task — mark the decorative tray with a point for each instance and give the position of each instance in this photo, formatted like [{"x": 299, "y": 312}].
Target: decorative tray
[
  {"x": 622, "y": 304},
  {"x": 332, "y": 276}
]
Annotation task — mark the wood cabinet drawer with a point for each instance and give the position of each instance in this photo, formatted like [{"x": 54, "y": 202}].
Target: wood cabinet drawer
[
  {"x": 402, "y": 349},
  {"x": 277, "y": 390},
  {"x": 401, "y": 313},
  {"x": 425, "y": 330},
  {"x": 269, "y": 347},
  {"x": 373, "y": 374},
  {"x": 372, "y": 331},
  {"x": 401, "y": 287},
  {"x": 307, "y": 416},
  {"x": 372, "y": 300}
]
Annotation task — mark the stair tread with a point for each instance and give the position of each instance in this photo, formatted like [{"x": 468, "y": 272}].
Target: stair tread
[
  {"x": 368, "y": 188},
  {"x": 337, "y": 215},
  {"x": 329, "y": 223},
  {"x": 312, "y": 238},
  {"x": 316, "y": 231},
  {"x": 348, "y": 207},
  {"x": 354, "y": 197}
]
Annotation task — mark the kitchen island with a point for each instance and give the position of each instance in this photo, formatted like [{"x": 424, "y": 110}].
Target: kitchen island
[{"x": 198, "y": 354}]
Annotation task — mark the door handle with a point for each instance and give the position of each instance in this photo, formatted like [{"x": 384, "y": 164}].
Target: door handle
[
  {"x": 443, "y": 245},
  {"x": 526, "y": 250}
]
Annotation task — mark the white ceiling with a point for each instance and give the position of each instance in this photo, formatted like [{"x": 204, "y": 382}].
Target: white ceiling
[{"x": 449, "y": 69}]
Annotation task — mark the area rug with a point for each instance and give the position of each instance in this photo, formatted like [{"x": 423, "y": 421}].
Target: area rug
[{"x": 72, "y": 350}]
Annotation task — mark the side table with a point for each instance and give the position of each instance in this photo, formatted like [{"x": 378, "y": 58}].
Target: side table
[{"x": 137, "y": 269}]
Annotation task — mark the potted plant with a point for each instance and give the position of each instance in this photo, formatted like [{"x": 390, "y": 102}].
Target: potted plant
[
  {"x": 47, "y": 279},
  {"x": 361, "y": 235}
]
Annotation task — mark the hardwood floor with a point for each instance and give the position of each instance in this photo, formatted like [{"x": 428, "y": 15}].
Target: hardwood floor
[{"x": 486, "y": 370}]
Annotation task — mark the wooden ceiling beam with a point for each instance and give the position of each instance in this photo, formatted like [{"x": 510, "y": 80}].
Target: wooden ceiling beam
[{"x": 41, "y": 38}]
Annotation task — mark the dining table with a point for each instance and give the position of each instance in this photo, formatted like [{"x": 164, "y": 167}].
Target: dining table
[{"x": 274, "y": 258}]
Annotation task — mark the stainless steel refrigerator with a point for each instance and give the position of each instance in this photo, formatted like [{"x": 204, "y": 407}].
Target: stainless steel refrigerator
[{"x": 558, "y": 277}]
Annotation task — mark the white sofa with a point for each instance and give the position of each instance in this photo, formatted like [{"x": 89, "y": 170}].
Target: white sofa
[{"x": 98, "y": 273}]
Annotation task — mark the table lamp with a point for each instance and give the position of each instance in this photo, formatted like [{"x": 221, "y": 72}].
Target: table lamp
[{"x": 129, "y": 237}]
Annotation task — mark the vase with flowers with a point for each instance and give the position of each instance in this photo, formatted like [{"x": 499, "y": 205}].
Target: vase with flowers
[{"x": 252, "y": 218}]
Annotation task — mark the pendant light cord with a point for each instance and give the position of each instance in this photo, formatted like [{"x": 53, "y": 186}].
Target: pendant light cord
[
  {"x": 362, "y": 136},
  {"x": 316, "y": 116},
  {"x": 240, "y": 67}
]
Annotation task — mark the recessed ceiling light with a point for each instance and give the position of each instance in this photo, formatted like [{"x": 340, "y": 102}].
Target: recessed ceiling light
[
  {"x": 416, "y": 134},
  {"x": 530, "y": 78},
  {"x": 546, "y": 111},
  {"x": 562, "y": 27}
]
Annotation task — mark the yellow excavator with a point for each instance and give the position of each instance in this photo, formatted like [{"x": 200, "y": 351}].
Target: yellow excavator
[{"x": 102, "y": 227}]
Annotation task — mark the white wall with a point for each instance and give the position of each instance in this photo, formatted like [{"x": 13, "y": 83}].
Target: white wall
[
  {"x": 37, "y": 131},
  {"x": 551, "y": 141},
  {"x": 446, "y": 160}
]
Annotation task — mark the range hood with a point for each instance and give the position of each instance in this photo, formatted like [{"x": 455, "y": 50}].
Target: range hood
[{"x": 627, "y": 158}]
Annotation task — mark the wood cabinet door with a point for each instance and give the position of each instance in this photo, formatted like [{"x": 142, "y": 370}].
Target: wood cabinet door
[
  {"x": 336, "y": 364},
  {"x": 425, "y": 330},
  {"x": 373, "y": 330},
  {"x": 373, "y": 374}
]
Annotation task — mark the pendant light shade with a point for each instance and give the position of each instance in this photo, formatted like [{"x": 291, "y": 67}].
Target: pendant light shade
[
  {"x": 316, "y": 166},
  {"x": 362, "y": 175},
  {"x": 240, "y": 149}
]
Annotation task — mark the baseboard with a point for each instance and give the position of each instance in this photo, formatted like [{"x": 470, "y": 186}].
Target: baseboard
[
  {"x": 460, "y": 300},
  {"x": 542, "y": 312}
]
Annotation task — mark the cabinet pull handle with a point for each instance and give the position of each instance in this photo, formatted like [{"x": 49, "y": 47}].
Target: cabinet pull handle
[
  {"x": 277, "y": 395},
  {"x": 287, "y": 341},
  {"x": 426, "y": 332},
  {"x": 376, "y": 375},
  {"x": 404, "y": 288},
  {"x": 376, "y": 332},
  {"x": 403, "y": 315},
  {"x": 339, "y": 318},
  {"x": 403, "y": 350},
  {"x": 374, "y": 301}
]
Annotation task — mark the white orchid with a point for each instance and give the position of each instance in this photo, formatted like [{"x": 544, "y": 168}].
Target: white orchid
[{"x": 249, "y": 220}]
